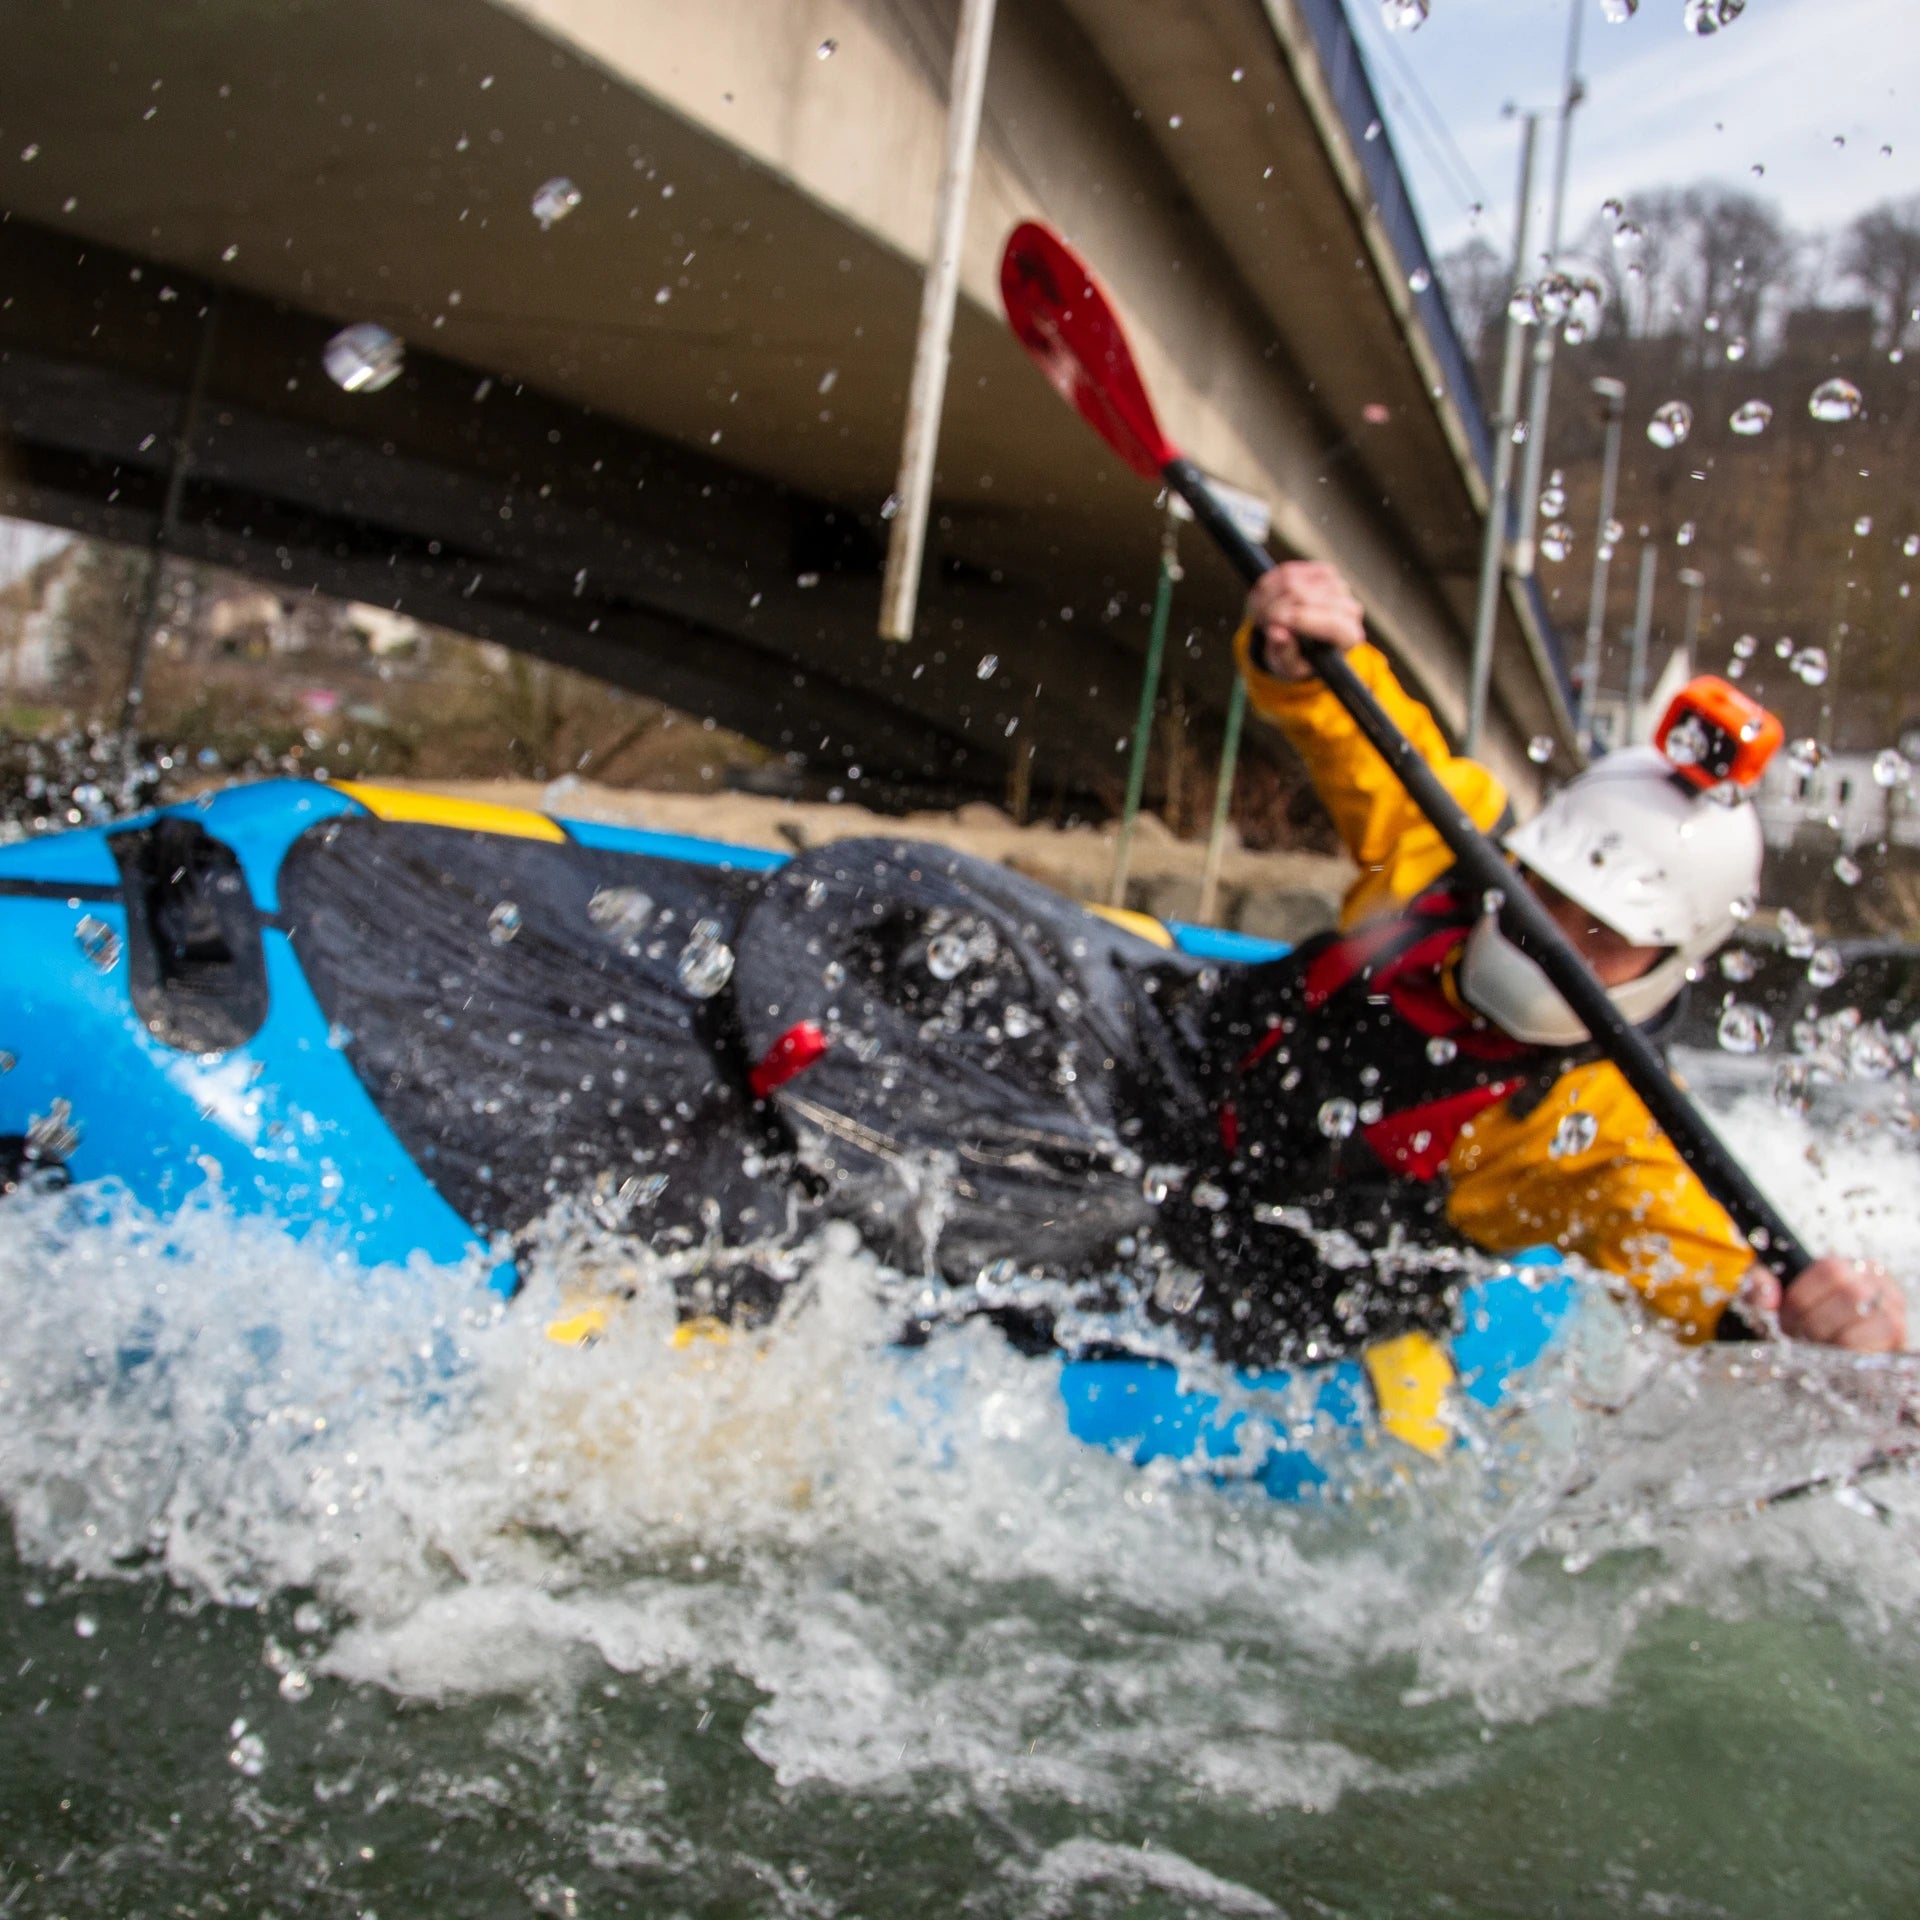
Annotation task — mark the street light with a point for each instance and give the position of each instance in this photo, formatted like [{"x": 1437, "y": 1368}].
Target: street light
[{"x": 1612, "y": 395}]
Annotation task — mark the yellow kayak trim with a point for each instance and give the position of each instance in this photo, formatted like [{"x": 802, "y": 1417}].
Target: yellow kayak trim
[
  {"x": 1411, "y": 1376},
  {"x": 1143, "y": 924},
  {"x": 443, "y": 810}
]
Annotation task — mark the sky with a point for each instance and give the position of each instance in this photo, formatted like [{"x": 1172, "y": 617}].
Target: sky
[{"x": 1775, "y": 89}]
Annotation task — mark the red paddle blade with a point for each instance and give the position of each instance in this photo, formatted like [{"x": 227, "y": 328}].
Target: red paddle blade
[{"x": 1060, "y": 314}]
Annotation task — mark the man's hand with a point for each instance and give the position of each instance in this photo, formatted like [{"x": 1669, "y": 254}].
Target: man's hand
[
  {"x": 1855, "y": 1304},
  {"x": 1303, "y": 598}
]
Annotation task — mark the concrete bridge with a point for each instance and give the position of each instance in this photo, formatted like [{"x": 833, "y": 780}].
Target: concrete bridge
[{"x": 654, "y": 439}]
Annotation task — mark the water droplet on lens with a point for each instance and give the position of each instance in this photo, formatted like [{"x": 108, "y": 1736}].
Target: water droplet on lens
[
  {"x": 1540, "y": 749},
  {"x": 1891, "y": 768},
  {"x": 1405, "y": 16},
  {"x": 1743, "y": 908},
  {"x": 826, "y": 49},
  {"x": 1419, "y": 280},
  {"x": 248, "y": 1755},
  {"x": 1805, "y": 755},
  {"x": 1575, "y": 1134},
  {"x": 1017, "y": 1022},
  {"x": 947, "y": 956},
  {"x": 1337, "y": 1118},
  {"x": 1705, "y": 17},
  {"x": 706, "y": 961},
  {"x": 1553, "y": 501},
  {"x": 1810, "y": 666},
  {"x": 295, "y": 1685},
  {"x": 1825, "y": 967},
  {"x": 1617, "y": 13},
  {"x": 1207, "y": 1195},
  {"x": 1835, "y": 400},
  {"x": 86, "y": 1625},
  {"x": 1158, "y": 1184},
  {"x": 364, "y": 357},
  {"x": 554, "y": 200},
  {"x": 1440, "y": 1049},
  {"x": 621, "y": 913},
  {"x": 98, "y": 942},
  {"x": 988, "y": 667},
  {"x": 1686, "y": 534},
  {"x": 1739, "y": 964},
  {"x": 1523, "y": 308},
  {"x": 1751, "y": 417},
  {"x": 1556, "y": 542},
  {"x": 1846, "y": 869},
  {"x": 1737, "y": 347},
  {"x": 1671, "y": 425},
  {"x": 503, "y": 923},
  {"x": 1795, "y": 935},
  {"x": 1744, "y": 1029}
]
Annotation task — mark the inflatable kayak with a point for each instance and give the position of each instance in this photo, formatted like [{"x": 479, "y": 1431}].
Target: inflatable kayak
[{"x": 407, "y": 1026}]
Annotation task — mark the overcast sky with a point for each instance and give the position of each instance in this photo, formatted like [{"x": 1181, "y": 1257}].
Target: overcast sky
[{"x": 1774, "y": 89}]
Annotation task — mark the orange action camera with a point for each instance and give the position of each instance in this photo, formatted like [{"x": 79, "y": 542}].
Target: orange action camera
[{"x": 1714, "y": 732}]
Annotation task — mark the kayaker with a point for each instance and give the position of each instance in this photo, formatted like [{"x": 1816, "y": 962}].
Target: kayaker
[{"x": 1419, "y": 1067}]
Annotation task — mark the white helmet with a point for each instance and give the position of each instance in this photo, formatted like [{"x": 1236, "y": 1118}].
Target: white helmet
[{"x": 1660, "y": 862}]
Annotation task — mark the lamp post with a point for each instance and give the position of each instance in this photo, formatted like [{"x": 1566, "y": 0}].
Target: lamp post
[
  {"x": 1612, "y": 395},
  {"x": 1494, "y": 543}
]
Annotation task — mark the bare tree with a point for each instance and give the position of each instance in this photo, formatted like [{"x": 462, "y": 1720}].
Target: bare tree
[
  {"x": 1475, "y": 278},
  {"x": 1881, "y": 253}
]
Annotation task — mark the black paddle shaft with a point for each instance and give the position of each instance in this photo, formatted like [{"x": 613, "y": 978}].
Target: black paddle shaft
[{"x": 1522, "y": 918}]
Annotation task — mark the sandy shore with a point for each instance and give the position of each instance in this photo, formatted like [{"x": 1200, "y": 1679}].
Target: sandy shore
[{"x": 1283, "y": 896}]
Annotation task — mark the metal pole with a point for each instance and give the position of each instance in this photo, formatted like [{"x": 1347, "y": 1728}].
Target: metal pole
[
  {"x": 1149, "y": 692},
  {"x": 1493, "y": 544},
  {"x": 1541, "y": 396},
  {"x": 1613, "y": 396},
  {"x": 1695, "y": 582},
  {"x": 186, "y": 429},
  {"x": 906, "y": 544},
  {"x": 1223, "y": 800},
  {"x": 1642, "y": 632}
]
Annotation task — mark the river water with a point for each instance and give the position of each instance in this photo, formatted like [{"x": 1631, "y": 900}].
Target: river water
[{"x": 337, "y": 1596}]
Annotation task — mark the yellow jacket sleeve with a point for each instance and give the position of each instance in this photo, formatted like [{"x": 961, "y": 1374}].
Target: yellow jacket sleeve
[
  {"x": 1626, "y": 1202},
  {"x": 1396, "y": 849}
]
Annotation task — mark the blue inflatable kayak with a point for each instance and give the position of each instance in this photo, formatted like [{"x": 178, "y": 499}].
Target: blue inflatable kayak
[{"x": 193, "y": 999}]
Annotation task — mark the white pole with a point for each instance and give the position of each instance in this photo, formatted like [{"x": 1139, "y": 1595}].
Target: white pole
[
  {"x": 1541, "y": 396},
  {"x": 913, "y": 490},
  {"x": 1494, "y": 545}
]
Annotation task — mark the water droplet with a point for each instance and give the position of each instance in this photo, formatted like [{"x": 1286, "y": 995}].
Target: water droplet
[
  {"x": 988, "y": 667},
  {"x": 1492, "y": 901},
  {"x": 1575, "y": 1134},
  {"x": 1871, "y": 1054},
  {"x": 86, "y": 1625},
  {"x": 1846, "y": 869},
  {"x": 1742, "y": 908},
  {"x": 826, "y": 49},
  {"x": 1795, "y": 935},
  {"x": 1208, "y": 1196},
  {"x": 1737, "y": 347},
  {"x": 1540, "y": 749},
  {"x": 1018, "y": 1022},
  {"x": 621, "y": 913},
  {"x": 554, "y": 200},
  {"x": 1739, "y": 964},
  {"x": 947, "y": 955},
  {"x": 1825, "y": 966},
  {"x": 1337, "y": 1118},
  {"x": 1173, "y": 120},
  {"x": 1750, "y": 417},
  {"x": 1405, "y": 16},
  {"x": 1705, "y": 17},
  {"x": 1616, "y": 13},
  {"x": 1612, "y": 534},
  {"x": 1745, "y": 647},
  {"x": 1177, "y": 1290},
  {"x": 1686, "y": 533},
  {"x": 806, "y": 580},
  {"x": 1744, "y": 1029},
  {"x": 98, "y": 942},
  {"x": 295, "y": 1685},
  {"x": 1910, "y": 545},
  {"x": 1553, "y": 499},
  {"x": 1891, "y": 768},
  {"x": 364, "y": 357},
  {"x": 1810, "y": 666},
  {"x": 706, "y": 961},
  {"x": 1556, "y": 541},
  {"x": 1836, "y": 400},
  {"x": 248, "y": 1755},
  {"x": 503, "y": 923},
  {"x": 1158, "y": 1184},
  {"x": 1805, "y": 754},
  {"x": 1419, "y": 280},
  {"x": 1523, "y": 308}
]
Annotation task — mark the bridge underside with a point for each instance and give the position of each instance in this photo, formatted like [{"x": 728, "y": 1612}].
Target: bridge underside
[{"x": 654, "y": 441}]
